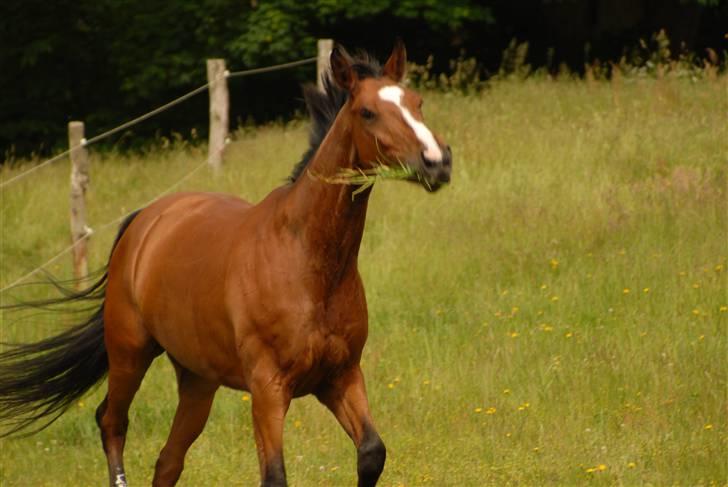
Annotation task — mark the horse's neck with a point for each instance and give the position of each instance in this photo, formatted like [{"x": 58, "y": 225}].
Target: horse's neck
[{"x": 331, "y": 217}]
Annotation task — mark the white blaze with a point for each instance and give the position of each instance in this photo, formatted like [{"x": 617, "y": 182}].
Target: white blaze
[{"x": 394, "y": 94}]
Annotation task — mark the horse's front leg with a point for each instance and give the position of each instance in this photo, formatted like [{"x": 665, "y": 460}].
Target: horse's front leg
[
  {"x": 270, "y": 404},
  {"x": 346, "y": 397}
]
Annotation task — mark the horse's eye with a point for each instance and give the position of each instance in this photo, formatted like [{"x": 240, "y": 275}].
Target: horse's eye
[{"x": 367, "y": 114}]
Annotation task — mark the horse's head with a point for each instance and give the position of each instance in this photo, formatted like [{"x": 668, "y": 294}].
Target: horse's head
[{"x": 387, "y": 123}]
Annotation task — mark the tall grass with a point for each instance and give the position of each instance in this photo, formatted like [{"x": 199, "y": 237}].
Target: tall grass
[{"x": 556, "y": 316}]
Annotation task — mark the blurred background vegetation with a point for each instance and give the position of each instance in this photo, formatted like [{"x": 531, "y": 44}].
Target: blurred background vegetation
[{"x": 106, "y": 61}]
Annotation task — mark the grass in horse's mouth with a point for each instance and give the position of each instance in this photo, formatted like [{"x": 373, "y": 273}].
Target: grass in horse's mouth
[{"x": 365, "y": 178}]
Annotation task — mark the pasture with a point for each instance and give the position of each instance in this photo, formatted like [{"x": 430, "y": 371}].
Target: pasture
[{"x": 557, "y": 315}]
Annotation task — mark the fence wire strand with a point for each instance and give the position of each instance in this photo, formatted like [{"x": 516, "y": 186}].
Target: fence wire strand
[
  {"x": 275, "y": 67},
  {"x": 166, "y": 106},
  {"x": 100, "y": 229}
]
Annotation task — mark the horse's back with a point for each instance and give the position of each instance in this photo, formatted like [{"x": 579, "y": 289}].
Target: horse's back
[{"x": 181, "y": 224}]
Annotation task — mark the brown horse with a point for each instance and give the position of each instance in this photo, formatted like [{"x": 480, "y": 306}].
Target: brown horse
[{"x": 263, "y": 298}]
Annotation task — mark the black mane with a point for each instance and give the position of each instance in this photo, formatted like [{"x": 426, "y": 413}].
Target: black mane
[{"x": 324, "y": 106}]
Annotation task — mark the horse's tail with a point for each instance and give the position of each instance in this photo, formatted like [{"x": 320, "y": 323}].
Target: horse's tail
[{"x": 41, "y": 380}]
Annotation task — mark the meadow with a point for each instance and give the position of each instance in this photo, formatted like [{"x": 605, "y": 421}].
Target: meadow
[{"x": 556, "y": 316}]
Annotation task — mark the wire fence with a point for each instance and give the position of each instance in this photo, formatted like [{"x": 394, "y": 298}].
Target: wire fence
[
  {"x": 124, "y": 126},
  {"x": 158, "y": 110},
  {"x": 101, "y": 228}
]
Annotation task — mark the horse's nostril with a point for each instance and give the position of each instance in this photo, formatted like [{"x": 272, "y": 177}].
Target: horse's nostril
[{"x": 428, "y": 163}]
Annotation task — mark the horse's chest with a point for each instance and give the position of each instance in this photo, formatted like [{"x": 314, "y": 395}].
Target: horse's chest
[{"x": 314, "y": 330}]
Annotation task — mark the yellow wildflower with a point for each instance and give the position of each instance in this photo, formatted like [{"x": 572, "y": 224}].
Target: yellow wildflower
[
  {"x": 478, "y": 410},
  {"x": 490, "y": 410},
  {"x": 708, "y": 427},
  {"x": 554, "y": 264},
  {"x": 625, "y": 290},
  {"x": 246, "y": 397},
  {"x": 631, "y": 465},
  {"x": 599, "y": 468}
]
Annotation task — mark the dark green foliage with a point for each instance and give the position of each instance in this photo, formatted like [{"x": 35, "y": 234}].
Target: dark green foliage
[{"x": 107, "y": 61}]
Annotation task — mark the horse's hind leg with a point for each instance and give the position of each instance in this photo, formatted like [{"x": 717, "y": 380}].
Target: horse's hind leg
[
  {"x": 195, "y": 400},
  {"x": 130, "y": 350}
]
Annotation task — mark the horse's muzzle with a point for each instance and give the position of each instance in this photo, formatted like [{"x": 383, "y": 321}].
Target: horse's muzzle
[{"x": 434, "y": 174}]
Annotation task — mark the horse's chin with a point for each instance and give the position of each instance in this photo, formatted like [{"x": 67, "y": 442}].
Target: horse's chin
[{"x": 430, "y": 186}]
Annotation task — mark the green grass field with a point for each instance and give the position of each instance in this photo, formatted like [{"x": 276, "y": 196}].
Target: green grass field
[{"x": 557, "y": 315}]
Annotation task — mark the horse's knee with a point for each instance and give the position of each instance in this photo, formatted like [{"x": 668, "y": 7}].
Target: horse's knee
[{"x": 371, "y": 457}]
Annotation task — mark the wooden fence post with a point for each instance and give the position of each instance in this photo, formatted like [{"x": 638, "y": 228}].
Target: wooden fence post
[
  {"x": 219, "y": 111},
  {"x": 325, "y": 46},
  {"x": 79, "y": 185}
]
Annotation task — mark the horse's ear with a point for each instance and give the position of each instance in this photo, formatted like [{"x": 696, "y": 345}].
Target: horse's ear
[
  {"x": 396, "y": 65},
  {"x": 341, "y": 70}
]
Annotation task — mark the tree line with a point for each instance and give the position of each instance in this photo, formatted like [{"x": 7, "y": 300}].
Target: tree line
[{"x": 105, "y": 61}]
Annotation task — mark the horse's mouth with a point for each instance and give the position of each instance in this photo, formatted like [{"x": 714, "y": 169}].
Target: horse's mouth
[{"x": 430, "y": 184}]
